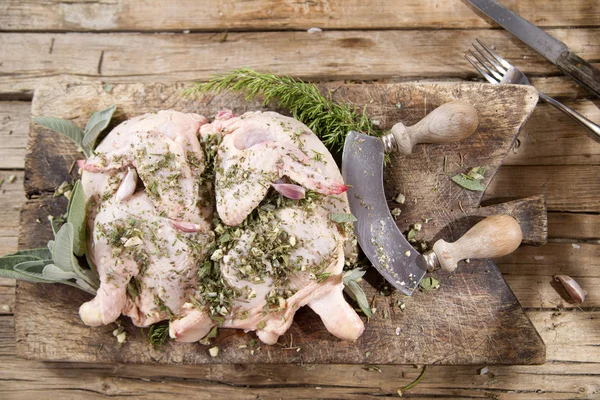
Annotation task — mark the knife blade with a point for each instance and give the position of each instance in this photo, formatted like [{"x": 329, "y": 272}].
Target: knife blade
[
  {"x": 376, "y": 231},
  {"x": 362, "y": 168},
  {"x": 551, "y": 48}
]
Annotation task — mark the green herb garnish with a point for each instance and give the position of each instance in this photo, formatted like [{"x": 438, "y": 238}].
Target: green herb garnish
[
  {"x": 84, "y": 139},
  {"x": 429, "y": 283},
  {"x": 329, "y": 120},
  {"x": 158, "y": 334},
  {"x": 342, "y": 217},
  {"x": 354, "y": 291}
]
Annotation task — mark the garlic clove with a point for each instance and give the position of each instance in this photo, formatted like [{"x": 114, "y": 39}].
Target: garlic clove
[
  {"x": 572, "y": 287},
  {"x": 291, "y": 191},
  {"x": 128, "y": 185}
]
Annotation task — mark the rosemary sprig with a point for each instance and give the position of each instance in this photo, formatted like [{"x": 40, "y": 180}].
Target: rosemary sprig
[
  {"x": 329, "y": 120},
  {"x": 158, "y": 334}
]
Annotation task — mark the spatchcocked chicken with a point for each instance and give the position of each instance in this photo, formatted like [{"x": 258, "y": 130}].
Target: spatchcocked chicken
[{"x": 217, "y": 224}]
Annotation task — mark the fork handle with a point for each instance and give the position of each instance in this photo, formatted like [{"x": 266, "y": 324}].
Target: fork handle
[{"x": 594, "y": 130}]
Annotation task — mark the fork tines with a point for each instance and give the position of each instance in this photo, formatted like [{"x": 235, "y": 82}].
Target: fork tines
[{"x": 489, "y": 64}]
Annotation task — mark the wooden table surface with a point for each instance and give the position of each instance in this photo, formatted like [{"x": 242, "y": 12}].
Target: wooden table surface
[{"x": 383, "y": 41}]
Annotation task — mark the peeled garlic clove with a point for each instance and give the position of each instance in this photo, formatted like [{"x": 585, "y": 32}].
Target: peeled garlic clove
[
  {"x": 128, "y": 185},
  {"x": 291, "y": 191},
  {"x": 572, "y": 287}
]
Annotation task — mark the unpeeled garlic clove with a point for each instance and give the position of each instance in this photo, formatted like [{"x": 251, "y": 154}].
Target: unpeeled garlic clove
[
  {"x": 291, "y": 191},
  {"x": 188, "y": 227},
  {"x": 572, "y": 287}
]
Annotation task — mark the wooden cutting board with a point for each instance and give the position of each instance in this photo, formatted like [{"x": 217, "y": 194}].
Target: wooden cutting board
[{"x": 473, "y": 318}]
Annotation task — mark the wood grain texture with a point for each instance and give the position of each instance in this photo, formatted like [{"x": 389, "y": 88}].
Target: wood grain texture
[
  {"x": 254, "y": 15},
  {"x": 472, "y": 318},
  {"x": 551, "y": 137},
  {"x": 13, "y": 198},
  {"x": 133, "y": 57},
  {"x": 14, "y": 130},
  {"x": 567, "y": 188},
  {"x": 549, "y": 381},
  {"x": 578, "y": 226}
]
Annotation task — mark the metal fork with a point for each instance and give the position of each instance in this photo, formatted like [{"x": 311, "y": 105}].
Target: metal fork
[{"x": 497, "y": 70}]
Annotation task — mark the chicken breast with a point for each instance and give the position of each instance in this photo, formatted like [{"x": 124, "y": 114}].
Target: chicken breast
[{"x": 257, "y": 149}]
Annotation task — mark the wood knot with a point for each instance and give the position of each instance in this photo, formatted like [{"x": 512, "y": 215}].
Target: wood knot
[{"x": 356, "y": 43}]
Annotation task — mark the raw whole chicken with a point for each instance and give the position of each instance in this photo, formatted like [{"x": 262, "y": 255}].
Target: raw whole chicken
[{"x": 162, "y": 252}]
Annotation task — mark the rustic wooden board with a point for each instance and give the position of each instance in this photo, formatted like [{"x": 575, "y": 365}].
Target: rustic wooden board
[{"x": 472, "y": 318}]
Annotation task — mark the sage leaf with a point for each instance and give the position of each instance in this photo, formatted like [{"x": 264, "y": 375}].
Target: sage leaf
[
  {"x": 67, "y": 128},
  {"x": 95, "y": 125},
  {"x": 8, "y": 264},
  {"x": 468, "y": 183},
  {"x": 83, "y": 285},
  {"x": 52, "y": 272},
  {"x": 353, "y": 275},
  {"x": 471, "y": 180},
  {"x": 76, "y": 216},
  {"x": 41, "y": 253},
  {"x": 32, "y": 270},
  {"x": 342, "y": 217},
  {"x": 63, "y": 248},
  {"x": 361, "y": 298},
  {"x": 65, "y": 259}
]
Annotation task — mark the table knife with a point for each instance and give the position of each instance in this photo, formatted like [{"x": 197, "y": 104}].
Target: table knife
[
  {"x": 378, "y": 235},
  {"x": 553, "y": 49}
]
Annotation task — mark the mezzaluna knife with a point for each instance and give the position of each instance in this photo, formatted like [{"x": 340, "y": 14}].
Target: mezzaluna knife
[
  {"x": 553, "y": 49},
  {"x": 376, "y": 230}
]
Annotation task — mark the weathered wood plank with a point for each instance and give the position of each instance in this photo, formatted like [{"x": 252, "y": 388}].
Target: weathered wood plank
[
  {"x": 574, "y": 259},
  {"x": 550, "y": 137},
  {"x": 8, "y": 244},
  {"x": 7, "y": 299},
  {"x": 571, "y": 335},
  {"x": 543, "y": 292},
  {"x": 529, "y": 272},
  {"x": 127, "y": 57},
  {"x": 547, "y": 381},
  {"x": 12, "y": 198},
  {"x": 578, "y": 226},
  {"x": 574, "y": 188},
  {"x": 14, "y": 130},
  {"x": 259, "y": 15},
  {"x": 22, "y": 88}
]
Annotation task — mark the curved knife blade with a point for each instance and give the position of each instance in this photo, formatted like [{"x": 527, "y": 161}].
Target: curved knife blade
[{"x": 375, "y": 228}]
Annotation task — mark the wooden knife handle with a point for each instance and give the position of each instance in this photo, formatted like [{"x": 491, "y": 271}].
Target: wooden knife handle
[
  {"x": 495, "y": 236},
  {"x": 449, "y": 122},
  {"x": 580, "y": 70}
]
